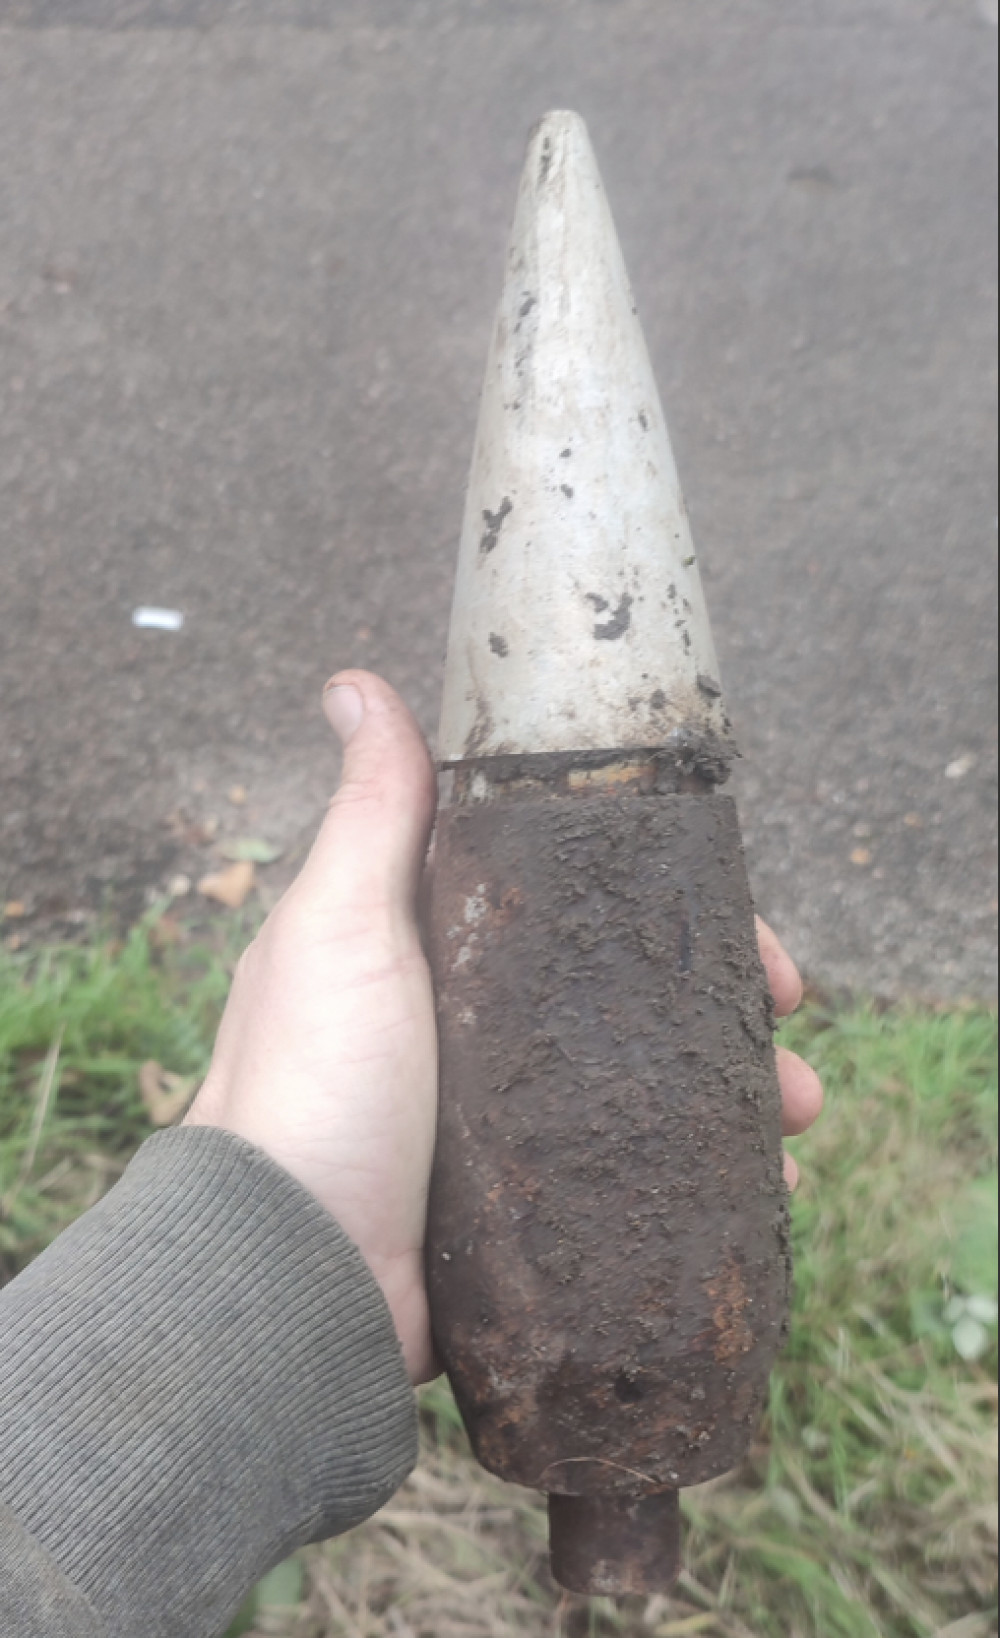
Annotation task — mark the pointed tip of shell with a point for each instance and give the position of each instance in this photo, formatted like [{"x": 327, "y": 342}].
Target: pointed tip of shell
[
  {"x": 559, "y": 136},
  {"x": 558, "y": 124}
]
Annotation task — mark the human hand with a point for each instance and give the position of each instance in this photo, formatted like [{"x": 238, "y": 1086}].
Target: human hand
[{"x": 326, "y": 1057}]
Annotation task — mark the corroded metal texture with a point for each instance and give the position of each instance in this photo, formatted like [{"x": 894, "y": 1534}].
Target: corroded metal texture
[
  {"x": 615, "y": 1544},
  {"x": 608, "y": 1248},
  {"x": 688, "y": 762}
]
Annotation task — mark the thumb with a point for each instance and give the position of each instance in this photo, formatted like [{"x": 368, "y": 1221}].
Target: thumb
[{"x": 371, "y": 847}]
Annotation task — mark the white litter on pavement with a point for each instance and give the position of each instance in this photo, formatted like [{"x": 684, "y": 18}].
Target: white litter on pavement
[{"x": 158, "y": 619}]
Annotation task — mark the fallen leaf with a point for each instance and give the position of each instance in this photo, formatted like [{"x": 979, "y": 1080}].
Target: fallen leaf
[
  {"x": 15, "y": 908},
  {"x": 166, "y": 932},
  {"x": 230, "y": 886},
  {"x": 861, "y": 856},
  {"x": 191, "y": 832},
  {"x": 254, "y": 848},
  {"x": 165, "y": 1096}
]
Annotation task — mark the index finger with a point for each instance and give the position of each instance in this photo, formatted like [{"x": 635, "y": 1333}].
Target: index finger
[{"x": 782, "y": 973}]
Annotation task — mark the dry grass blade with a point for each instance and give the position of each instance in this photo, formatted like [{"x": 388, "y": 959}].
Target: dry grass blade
[
  {"x": 47, "y": 1083},
  {"x": 687, "y": 1623},
  {"x": 970, "y": 1626}
]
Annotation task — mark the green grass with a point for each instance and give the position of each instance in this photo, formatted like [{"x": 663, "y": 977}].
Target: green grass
[
  {"x": 871, "y": 1505},
  {"x": 75, "y": 1024},
  {"x": 866, "y": 1508}
]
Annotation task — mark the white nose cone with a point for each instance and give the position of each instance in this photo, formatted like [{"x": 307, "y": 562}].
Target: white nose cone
[{"x": 578, "y": 621}]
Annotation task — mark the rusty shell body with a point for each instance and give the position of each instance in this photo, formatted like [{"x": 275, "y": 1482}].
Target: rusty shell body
[{"x": 608, "y": 1238}]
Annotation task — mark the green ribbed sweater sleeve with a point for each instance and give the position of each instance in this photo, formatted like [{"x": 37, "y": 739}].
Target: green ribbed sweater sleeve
[{"x": 198, "y": 1376}]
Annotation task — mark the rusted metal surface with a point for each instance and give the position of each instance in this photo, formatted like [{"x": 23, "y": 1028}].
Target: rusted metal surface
[
  {"x": 608, "y": 1239},
  {"x": 688, "y": 763},
  {"x": 609, "y": 1545}
]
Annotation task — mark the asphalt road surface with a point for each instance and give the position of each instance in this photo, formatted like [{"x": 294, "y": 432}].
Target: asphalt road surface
[{"x": 249, "y": 257}]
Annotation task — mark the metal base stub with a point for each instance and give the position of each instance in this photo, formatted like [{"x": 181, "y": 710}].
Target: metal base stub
[{"x": 606, "y": 1546}]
